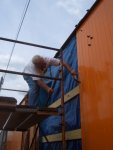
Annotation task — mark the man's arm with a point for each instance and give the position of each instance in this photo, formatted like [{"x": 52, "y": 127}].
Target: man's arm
[
  {"x": 57, "y": 62},
  {"x": 44, "y": 86},
  {"x": 72, "y": 72}
]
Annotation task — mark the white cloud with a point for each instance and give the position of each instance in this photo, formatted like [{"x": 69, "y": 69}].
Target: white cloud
[
  {"x": 16, "y": 63},
  {"x": 13, "y": 81},
  {"x": 75, "y": 7},
  {"x": 16, "y": 82},
  {"x": 70, "y": 6},
  {"x": 17, "y": 59}
]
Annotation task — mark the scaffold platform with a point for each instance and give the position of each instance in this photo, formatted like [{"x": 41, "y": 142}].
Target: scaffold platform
[{"x": 21, "y": 117}]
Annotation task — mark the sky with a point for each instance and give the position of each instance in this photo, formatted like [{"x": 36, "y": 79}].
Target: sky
[{"x": 47, "y": 22}]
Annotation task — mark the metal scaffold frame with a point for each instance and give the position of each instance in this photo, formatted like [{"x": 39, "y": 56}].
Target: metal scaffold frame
[{"x": 62, "y": 113}]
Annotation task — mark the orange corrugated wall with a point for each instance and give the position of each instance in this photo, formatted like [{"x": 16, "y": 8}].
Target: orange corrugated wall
[
  {"x": 14, "y": 141},
  {"x": 95, "y": 64}
]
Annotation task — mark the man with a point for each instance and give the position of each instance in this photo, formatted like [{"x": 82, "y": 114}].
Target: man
[{"x": 38, "y": 66}]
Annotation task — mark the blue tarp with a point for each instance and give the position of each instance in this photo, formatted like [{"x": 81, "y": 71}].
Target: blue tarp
[{"x": 72, "y": 108}]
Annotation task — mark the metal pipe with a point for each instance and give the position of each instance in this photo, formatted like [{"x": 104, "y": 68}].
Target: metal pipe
[
  {"x": 13, "y": 90},
  {"x": 62, "y": 105},
  {"x": 34, "y": 137},
  {"x": 27, "y": 74},
  {"x": 29, "y": 44},
  {"x": 9, "y": 117}
]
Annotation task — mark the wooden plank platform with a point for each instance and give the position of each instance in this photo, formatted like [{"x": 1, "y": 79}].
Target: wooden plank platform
[{"x": 19, "y": 118}]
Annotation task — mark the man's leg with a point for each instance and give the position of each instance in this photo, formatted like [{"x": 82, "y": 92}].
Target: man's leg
[{"x": 33, "y": 90}]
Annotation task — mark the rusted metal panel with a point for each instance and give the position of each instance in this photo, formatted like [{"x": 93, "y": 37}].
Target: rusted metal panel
[
  {"x": 13, "y": 141},
  {"x": 95, "y": 64}
]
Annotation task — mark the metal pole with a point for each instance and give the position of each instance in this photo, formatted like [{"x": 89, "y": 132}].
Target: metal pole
[
  {"x": 29, "y": 44},
  {"x": 62, "y": 105},
  {"x": 27, "y": 74},
  {"x": 34, "y": 137},
  {"x": 14, "y": 90}
]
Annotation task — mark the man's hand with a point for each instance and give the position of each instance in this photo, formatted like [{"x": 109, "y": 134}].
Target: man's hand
[
  {"x": 45, "y": 86},
  {"x": 50, "y": 90}
]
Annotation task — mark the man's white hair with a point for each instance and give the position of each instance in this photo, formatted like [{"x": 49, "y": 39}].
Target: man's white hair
[{"x": 36, "y": 58}]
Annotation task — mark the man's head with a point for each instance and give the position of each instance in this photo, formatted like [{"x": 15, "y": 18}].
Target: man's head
[{"x": 39, "y": 62}]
